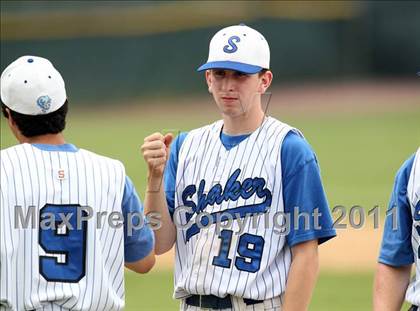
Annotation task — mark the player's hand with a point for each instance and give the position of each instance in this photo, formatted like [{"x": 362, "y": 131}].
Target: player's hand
[{"x": 155, "y": 150}]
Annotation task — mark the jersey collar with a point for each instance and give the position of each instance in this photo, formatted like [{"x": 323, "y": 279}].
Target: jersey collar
[{"x": 63, "y": 147}]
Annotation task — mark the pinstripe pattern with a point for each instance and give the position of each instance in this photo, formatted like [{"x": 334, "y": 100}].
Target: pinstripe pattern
[
  {"x": 273, "y": 135},
  {"x": 189, "y": 146},
  {"x": 254, "y": 154},
  {"x": 203, "y": 156},
  {"x": 14, "y": 234},
  {"x": 413, "y": 194},
  {"x": 53, "y": 201},
  {"x": 282, "y": 256},
  {"x": 67, "y": 200},
  {"x": 261, "y": 154},
  {"x": 203, "y": 234},
  {"x": 29, "y": 177},
  {"x": 251, "y": 144},
  {"x": 6, "y": 288},
  {"x": 229, "y": 172},
  {"x": 34, "y": 198}
]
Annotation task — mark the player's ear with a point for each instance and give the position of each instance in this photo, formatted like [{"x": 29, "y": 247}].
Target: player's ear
[
  {"x": 13, "y": 126},
  {"x": 10, "y": 120},
  {"x": 265, "y": 81},
  {"x": 209, "y": 80}
]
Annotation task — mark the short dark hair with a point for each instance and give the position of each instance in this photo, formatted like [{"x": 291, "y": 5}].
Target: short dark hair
[{"x": 30, "y": 126}]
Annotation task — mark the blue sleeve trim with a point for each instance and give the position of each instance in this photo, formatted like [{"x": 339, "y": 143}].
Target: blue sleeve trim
[
  {"x": 128, "y": 194},
  {"x": 396, "y": 249},
  {"x": 63, "y": 147},
  {"x": 140, "y": 241},
  {"x": 320, "y": 235},
  {"x": 302, "y": 188},
  {"x": 137, "y": 250},
  {"x": 393, "y": 263},
  {"x": 295, "y": 153},
  {"x": 170, "y": 171}
]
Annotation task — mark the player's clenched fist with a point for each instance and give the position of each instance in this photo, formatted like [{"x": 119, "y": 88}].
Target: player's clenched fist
[{"x": 155, "y": 150}]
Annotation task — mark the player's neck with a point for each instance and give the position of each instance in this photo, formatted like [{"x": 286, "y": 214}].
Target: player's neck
[
  {"x": 48, "y": 139},
  {"x": 244, "y": 124}
]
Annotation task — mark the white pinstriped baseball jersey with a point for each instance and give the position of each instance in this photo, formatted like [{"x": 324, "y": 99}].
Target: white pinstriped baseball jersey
[
  {"x": 413, "y": 193},
  {"x": 47, "y": 269},
  {"x": 244, "y": 179}
]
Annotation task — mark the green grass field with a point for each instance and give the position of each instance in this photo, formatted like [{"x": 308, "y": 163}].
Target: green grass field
[
  {"x": 359, "y": 156},
  {"x": 344, "y": 291}
]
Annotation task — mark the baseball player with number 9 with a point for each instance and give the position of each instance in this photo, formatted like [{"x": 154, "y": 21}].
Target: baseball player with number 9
[
  {"x": 246, "y": 164},
  {"x": 59, "y": 260}
]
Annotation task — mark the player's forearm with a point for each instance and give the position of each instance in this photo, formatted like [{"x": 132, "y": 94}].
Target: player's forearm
[
  {"x": 143, "y": 265},
  {"x": 390, "y": 286},
  {"x": 301, "y": 280},
  {"x": 155, "y": 150},
  {"x": 155, "y": 202}
]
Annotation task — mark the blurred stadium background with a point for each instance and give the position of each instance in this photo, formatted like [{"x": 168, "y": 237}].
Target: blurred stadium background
[{"x": 345, "y": 74}]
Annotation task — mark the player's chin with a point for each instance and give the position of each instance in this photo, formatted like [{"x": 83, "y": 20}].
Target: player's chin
[
  {"x": 230, "y": 102},
  {"x": 233, "y": 113},
  {"x": 230, "y": 108}
]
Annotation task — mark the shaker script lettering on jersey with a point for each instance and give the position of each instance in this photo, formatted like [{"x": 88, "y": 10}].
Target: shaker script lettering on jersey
[{"x": 232, "y": 191}]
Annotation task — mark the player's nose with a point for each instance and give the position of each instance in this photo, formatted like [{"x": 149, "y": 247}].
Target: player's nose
[{"x": 228, "y": 84}]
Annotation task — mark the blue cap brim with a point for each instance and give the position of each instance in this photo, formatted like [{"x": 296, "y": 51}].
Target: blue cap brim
[{"x": 245, "y": 68}]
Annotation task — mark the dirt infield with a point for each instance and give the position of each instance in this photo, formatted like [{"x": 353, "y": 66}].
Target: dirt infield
[{"x": 352, "y": 249}]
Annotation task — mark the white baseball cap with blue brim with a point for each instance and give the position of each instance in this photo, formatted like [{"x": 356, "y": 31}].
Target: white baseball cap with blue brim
[
  {"x": 32, "y": 86},
  {"x": 239, "y": 48}
]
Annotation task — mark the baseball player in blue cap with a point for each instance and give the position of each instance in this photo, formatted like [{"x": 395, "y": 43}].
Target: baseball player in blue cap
[
  {"x": 225, "y": 185},
  {"x": 401, "y": 243}
]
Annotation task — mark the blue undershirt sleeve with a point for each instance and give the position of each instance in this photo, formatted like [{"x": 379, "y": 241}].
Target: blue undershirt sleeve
[
  {"x": 303, "y": 193},
  {"x": 170, "y": 171},
  {"x": 396, "y": 249},
  {"x": 138, "y": 241}
]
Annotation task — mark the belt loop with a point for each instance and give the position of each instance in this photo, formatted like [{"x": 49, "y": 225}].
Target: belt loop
[{"x": 199, "y": 299}]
